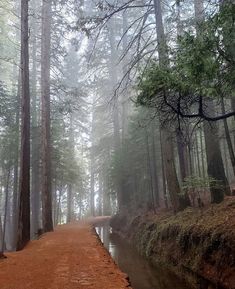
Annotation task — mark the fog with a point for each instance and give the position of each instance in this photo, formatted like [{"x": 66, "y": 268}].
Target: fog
[{"x": 131, "y": 110}]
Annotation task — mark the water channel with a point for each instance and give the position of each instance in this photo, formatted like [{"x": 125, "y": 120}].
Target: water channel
[{"x": 142, "y": 274}]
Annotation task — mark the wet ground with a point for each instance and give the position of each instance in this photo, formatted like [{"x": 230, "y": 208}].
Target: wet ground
[{"x": 142, "y": 274}]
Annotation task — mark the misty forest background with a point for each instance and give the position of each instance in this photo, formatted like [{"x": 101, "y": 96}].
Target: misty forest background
[{"x": 113, "y": 106}]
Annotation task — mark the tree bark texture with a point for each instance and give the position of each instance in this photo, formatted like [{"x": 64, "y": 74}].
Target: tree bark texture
[
  {"x": 35, "y": 159},
  {"x": 23, "y": 235},
  {"x": 47, "y": 221}
]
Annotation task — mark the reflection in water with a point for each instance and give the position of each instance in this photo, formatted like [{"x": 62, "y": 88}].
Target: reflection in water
[{"x": 141, "y": 273}]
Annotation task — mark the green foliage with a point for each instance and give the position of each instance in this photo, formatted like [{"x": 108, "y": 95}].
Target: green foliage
[
  {"x": 202, "y": 65},
  {"x": 196, "y": 183}
]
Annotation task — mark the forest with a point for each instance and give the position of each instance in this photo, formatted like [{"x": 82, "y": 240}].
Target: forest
[{"x": 123, "y": 109}]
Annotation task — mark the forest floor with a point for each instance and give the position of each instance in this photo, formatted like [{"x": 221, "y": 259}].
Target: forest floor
[{"x": 71, "y": 257}]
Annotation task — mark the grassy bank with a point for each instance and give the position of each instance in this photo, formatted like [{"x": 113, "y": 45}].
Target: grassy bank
[{"x": 195, "y": 243}]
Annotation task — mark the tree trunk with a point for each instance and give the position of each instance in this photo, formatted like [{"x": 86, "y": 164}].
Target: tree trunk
[
  {"x": 154, "y": 167},
  {"x": 70, "y": 197},
  {"x": 125, "y": 93},
  {"x": 225, "y": 157},
  {"x": 228, "y": 138},
  {"x": 92, "y": 184},
  {"x": 233, "y": 108},
  {"x": 5, "y": 210},
  {"x": 197, "y": 156},
  {"x": 69, "y": 203},
  {"x": 168, "y": 151},
  {"x": 24, "y": 183},
  {"x": 106, "y": 195},
  {"x": 58, "y": 209},
  {"x": 1, "y": 237},
  {"x": 181, "y": 145},
  {"x": 115, "y": 115},
  {"x": 170, "y": 170},
  {"x": 35, "y": 158},
  {"x": 202, "y": 153},
  {"x": 182, "y": 152},
  {"x": 15, "y": 198},
  {"x": 163, "y": 174},
  {"x": 54, "y": 192},
  {"x": 92, "y": 169},
  {"x": 80, "y": 205},
  {"x": 47, "y": 221},
  {"x": 190, "y": 157},
  {"x": 100, "y": 195},
  {"x": 151, "y": 199},
  {"x": 215, "y": 166}
]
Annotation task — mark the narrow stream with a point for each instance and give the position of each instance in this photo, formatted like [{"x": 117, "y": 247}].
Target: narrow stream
[{"x": 141, "y": 273}]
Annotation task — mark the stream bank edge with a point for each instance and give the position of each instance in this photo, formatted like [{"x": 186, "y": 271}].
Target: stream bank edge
[{"x": 198, "y": 245}]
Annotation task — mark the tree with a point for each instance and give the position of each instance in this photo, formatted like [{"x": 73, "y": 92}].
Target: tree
[
  {"x": 115, "y": 116},
  {"x": 47, "y": 221},
  {"x": 24, "y": 182},
  {"x": 215, "y": 164},
  {"x": 35, "y": 131},
  {"x": 168, "y": 151},
  {"x": 189, "y": 84}
]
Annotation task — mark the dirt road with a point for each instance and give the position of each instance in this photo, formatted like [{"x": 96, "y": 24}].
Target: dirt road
[{"x": 71, "y": 257}]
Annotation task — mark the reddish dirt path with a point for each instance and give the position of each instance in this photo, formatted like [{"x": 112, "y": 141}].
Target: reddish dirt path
[{"x": 69, "y": 258}]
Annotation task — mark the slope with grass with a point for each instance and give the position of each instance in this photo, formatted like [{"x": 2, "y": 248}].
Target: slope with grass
[{"x": 199, "y": 244}]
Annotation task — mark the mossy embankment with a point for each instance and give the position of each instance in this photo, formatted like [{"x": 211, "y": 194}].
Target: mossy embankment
[{"x": 194, "y": 243}]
